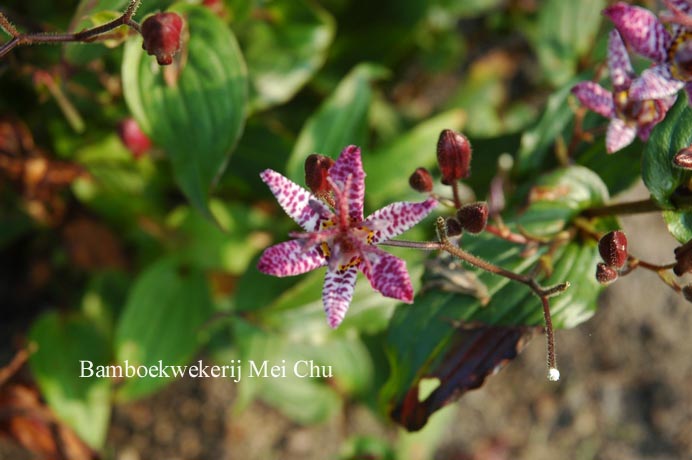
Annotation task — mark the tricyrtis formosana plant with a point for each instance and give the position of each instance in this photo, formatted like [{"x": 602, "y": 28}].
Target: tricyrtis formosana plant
[{"x": 150, "y": 175}]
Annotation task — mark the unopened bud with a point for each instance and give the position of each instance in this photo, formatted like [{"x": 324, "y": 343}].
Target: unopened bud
[
  {"x": 453, "y": 156},
  {"x": 133, "y": 138},
  {"x": 316, "y": 169},
  {"x": 687, "y": 292},
  {"x": 421, "y": 181},
  {"x": 613, "y": 249},
  {"x": 683, "y": 158},
  {"x": 161, "y": 34},
  {"x": 453, "y": 227},
  {"x": 605, "y": 274},
  {"x": 683, "y": 259},
  {"x": 473, "y": 217}
]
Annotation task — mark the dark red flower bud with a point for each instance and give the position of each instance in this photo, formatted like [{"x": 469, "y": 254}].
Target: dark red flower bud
[
  {"x": 683, "y": 257},
  {"x": 453, "y": 227},
  {"x": 613, "y": 249},
  {"x": 473, "y": 217},
  {"x": 605, "y": 274},
  {"x": 316, "y": 169},
  {"x": 421, "y": 181},
  {"x": 687, "y": 292},
  {"x": 683, "y": 158},
  {"x": 161, "y": 34},
  {"x": 133, "y": 137},
  {"x": 453, "y": 156}
]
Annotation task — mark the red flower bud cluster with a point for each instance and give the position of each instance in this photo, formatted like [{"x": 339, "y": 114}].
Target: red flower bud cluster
[
  {"x": 161, "y": 34},
  {"x": 613, "y": 250}
]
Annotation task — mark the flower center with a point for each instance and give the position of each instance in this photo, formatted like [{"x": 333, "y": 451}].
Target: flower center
[
  {"x": 680, "y": 56},
  {"x": 635, "y": 112},
  {"x": 348, "y": 244}
]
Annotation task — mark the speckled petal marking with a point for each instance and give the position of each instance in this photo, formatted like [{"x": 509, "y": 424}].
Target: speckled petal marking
[
  {"x": 641, "y": 29},
  {"x": 655, "y": 83},
  {"x": 619, "y": 62},
  {"x": 619, "y": 135},
  {"x": 337, "y": 294},
  {"x": 350, "y": 163},
  {"x": 289, "y": 258},
  {"x": 594, "y": 97},
  {"x": 301, "y": 205},
  {"x": 394, "y": 219},
  {"x": 388, "y": 275}
]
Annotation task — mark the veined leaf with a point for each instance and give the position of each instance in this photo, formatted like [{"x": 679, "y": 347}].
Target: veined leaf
[{"x": 198, "y": 118}]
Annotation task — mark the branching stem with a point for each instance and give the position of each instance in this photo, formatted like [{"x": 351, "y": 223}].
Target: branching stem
[
  {"x": 87, "y": 35},
  {"x": 544, "y": 293}
]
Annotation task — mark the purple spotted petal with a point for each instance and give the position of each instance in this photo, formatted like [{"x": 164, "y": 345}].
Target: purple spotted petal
[
  {"x": 684, "y": 6},
  {"x": 619, "y": 135},
  {"x": 349, "y": 164},
  {"x": 593, "y": 96},
  {"x": 337, "y": 294},
  {"x": 301, "y": 205},
  {"x": 641, "y": 29},
  {"x": 655, "y": 83},
  {"x": 289, "y": 259},
  {"x": 394, "y": 219},
  {"x": 388, "y": 275},
  {"x": 619, "y": 62}
]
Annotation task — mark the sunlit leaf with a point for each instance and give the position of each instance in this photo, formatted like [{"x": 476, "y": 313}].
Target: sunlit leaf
[
  {"x": 162, "y": 320},
  {"x": 668, "y": 184},
  {"x": 197, "y": 119},
  {"x": 63, "y": 344},
  {"x": 284, "y": 48},
  {"x": 340, "y": 121}
]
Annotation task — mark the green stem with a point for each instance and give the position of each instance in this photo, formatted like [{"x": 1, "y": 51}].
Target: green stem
[{"x": 631, "y": 207}]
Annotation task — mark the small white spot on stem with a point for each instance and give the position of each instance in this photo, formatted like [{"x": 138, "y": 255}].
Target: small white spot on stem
[{"x": 553, "y": 374}]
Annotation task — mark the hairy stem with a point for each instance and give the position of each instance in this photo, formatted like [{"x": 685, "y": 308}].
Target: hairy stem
[
  {"x": 542, "y": 292},
  {"x": 86, "y": 35}
]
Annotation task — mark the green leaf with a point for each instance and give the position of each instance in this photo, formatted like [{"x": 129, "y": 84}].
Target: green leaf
[
  {"x": 389, "y": 167},
  {"x": 619, "y": 171},
  {"x": 115, "y": 177},
  {"x": 205, "y": 246},
  {"x": 198, "y": 118},
  {"x": 668, "y": 184},
  {"x": 535, "y": 142},
  {"x": 566, "y": 31},
  {"x": 82, "y": 403},
  {"x": 435, "y": 316},
  {"x": 340, "y": 121},
  {"x": 558, "y": 197},
  {"x": 305, "y": 400},
  {"x": 466, "y": 8},
  {"x": 162, "y": 320},
  {"x": 285, "y": 48}
]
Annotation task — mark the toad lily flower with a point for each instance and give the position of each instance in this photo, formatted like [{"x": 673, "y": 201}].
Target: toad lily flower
[
  {"x": 629, "y": 116},
  {"x": 672, "y": 53},
  {"x": 340, "y": 238}
]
